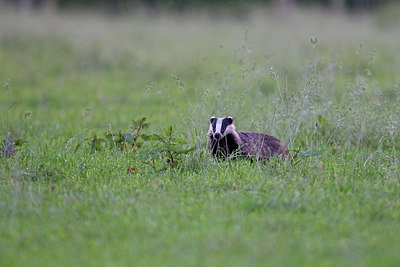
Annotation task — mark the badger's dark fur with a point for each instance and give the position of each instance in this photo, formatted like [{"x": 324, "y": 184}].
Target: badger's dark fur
[{"x": 224, "y": 140}]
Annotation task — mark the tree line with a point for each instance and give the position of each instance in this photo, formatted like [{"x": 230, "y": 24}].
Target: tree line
[{"x": 181, "y": 5}]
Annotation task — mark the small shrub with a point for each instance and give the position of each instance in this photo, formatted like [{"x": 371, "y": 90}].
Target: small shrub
[
  {"x": 132, "y": 140},
  {"x": 169, "y": 148}
]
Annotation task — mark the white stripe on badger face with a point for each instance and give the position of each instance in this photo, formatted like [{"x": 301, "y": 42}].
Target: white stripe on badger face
[
  {"x": 210, "y": 131},
  {"x": 218, "y": 126}
]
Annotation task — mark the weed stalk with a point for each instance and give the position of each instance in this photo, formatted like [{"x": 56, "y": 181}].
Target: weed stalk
[{"x": 6, "y": 104}]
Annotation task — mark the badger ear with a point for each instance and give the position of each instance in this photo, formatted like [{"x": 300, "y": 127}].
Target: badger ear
[
  {"x": 229, "y": 119},
  {"x": 212, "y": 119}
]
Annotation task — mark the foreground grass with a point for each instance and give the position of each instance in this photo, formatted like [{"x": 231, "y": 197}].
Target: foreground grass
[
  {"x": 327, "y": 211},
  {"x": 77, "y": 206}
]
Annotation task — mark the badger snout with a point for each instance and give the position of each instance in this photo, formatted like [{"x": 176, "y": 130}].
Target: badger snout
[{"x": 217, "y": 136}]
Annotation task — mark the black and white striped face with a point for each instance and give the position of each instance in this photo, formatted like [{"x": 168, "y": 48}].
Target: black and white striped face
[{"x": 220, "y": 127}]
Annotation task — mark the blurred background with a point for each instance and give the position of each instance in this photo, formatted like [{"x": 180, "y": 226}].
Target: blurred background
[{"x": 77, "y": 64}]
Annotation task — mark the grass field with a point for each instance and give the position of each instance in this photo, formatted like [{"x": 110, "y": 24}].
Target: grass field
[{"x": 73, "y": 191}]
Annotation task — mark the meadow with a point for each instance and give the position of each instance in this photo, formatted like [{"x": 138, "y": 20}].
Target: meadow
[{"x": 83, "y": 181}]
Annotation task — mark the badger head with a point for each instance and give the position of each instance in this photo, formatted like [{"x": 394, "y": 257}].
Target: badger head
[{"x": 220, "y": 127}]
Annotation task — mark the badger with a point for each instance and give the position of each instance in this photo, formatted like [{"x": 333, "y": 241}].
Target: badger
[{"x": 225, "y": 141}]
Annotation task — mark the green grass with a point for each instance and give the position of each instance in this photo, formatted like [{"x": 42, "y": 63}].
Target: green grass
[{"x": 64, "y": 205}]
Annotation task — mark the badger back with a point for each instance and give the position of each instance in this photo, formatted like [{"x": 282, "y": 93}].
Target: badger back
[{"x": 261, "y": 146}]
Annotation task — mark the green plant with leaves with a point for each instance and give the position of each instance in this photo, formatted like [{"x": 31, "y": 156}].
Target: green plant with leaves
[
  {"x": 168, "y": 148},
  {"x": 132, "y": 140}
]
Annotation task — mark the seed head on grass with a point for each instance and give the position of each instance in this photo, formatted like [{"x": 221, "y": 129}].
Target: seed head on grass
[
  {"x": 314, "y": 41},
  {"x": 274, "y": 73},
  {"x": 6, "y": 86}
]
